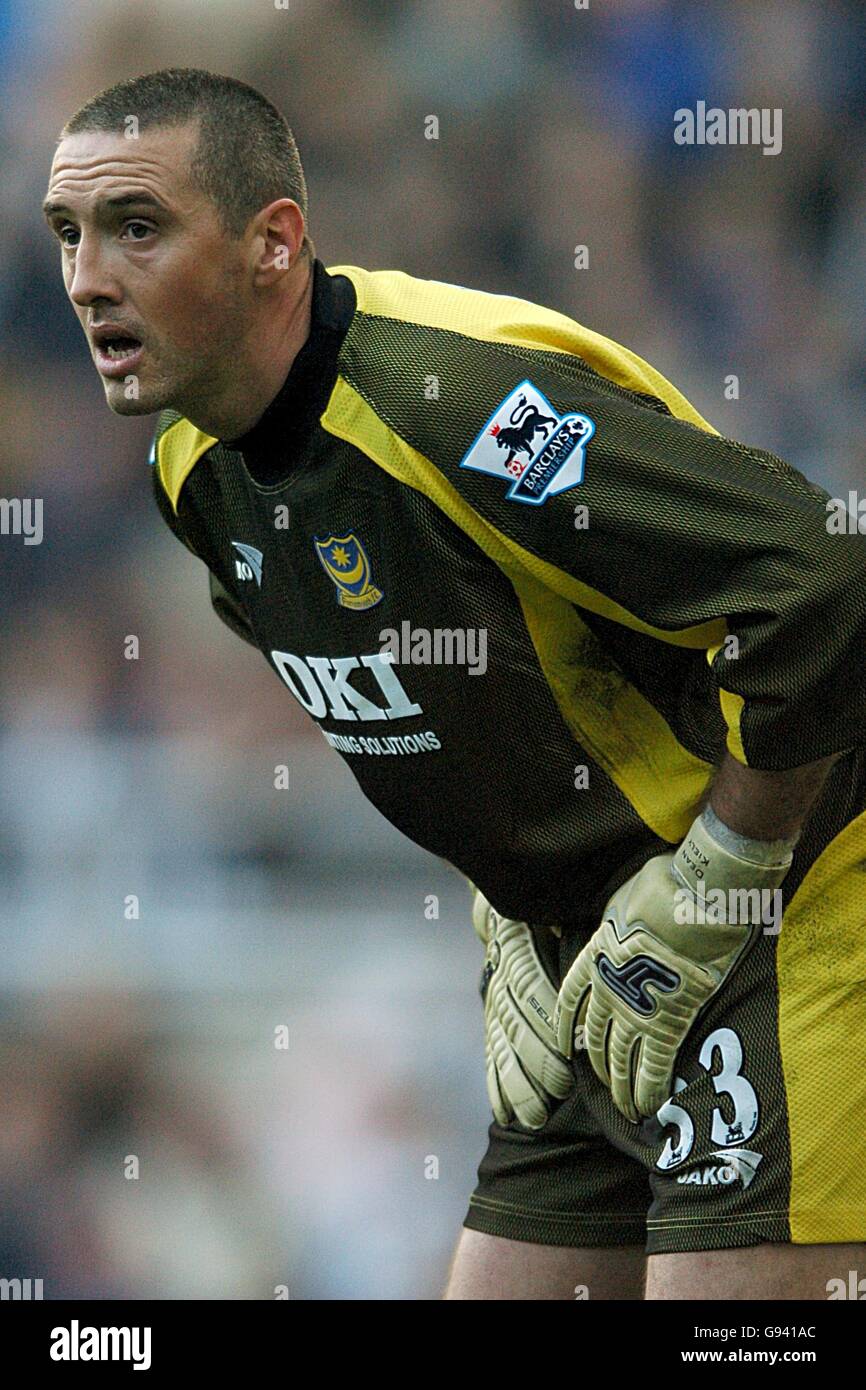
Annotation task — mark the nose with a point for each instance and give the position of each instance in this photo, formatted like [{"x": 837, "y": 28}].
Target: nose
[{"x": 91, "y": 279}]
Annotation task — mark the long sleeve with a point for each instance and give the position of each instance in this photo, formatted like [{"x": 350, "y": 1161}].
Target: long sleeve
[{"x": 695, "y": 540}]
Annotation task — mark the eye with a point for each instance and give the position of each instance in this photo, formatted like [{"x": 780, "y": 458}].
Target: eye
[
  {"x": 65, "y": 231},
  {"x": 137, "y": 230}
]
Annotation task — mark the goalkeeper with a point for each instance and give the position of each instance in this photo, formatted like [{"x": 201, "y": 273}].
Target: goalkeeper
[{"x": 657, "y": 785}]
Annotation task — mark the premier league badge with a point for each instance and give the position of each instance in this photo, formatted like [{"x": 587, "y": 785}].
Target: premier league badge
[{"x": 537, "y": 450}]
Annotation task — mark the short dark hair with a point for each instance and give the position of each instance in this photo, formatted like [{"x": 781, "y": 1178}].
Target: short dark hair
[{"x": 245, "y": 157}]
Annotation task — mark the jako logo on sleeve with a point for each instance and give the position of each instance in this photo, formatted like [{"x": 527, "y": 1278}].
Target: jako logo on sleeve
[{"x": 525, "y": 441}]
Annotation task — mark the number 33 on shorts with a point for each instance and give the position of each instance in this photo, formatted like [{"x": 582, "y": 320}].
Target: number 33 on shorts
[{"x": 722, "y": 1050}]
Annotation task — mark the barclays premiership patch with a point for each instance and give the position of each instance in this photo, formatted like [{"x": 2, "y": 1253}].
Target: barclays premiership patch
[{"x": 538, "y": 451}]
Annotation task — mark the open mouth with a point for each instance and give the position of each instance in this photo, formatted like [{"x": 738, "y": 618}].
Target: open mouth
[
  {"x": 116, "y": 352},
  {"x": 119, "y": 347}
]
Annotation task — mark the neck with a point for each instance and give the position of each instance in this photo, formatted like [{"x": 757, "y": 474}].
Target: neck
[{"x": 271, "y": 349}]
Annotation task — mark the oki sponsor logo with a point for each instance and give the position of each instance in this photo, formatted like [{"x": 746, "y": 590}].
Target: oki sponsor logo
[{"x": 321, "y": 685}]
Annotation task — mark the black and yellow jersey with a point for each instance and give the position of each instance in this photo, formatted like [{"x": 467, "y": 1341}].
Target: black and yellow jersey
[{"x": 524, "y": 588}]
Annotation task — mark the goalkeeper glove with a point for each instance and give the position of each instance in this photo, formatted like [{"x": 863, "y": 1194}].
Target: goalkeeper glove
[
  {"x": 638, "y": 985},
  {"x": 525, "y": 1072}
]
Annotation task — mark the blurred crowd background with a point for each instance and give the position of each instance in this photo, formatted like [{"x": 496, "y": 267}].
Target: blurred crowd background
[{"x": 339, "y": 1165}]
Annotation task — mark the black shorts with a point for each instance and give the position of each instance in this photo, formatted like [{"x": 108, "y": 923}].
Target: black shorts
[{"x": 765, "y": 1136}]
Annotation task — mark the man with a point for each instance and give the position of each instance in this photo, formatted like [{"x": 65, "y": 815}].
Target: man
[{"x": 663, "y": 746}]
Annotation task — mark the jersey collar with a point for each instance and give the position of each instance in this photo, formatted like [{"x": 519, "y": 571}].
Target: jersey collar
[{"x": 277, "y": 442}]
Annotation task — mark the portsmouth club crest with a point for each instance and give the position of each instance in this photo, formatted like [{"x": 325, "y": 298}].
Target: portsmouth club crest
[
  {"x": 345, "y": 561},
  {"x": 526, "y": 441}
]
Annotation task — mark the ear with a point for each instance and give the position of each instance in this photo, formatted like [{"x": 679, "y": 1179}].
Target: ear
[{"x": 277, "y": 236}]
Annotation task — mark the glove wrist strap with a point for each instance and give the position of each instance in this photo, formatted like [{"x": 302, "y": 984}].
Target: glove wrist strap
[
  {"x": 715, "y": 857},
  {"x": 773, "y": 852}
]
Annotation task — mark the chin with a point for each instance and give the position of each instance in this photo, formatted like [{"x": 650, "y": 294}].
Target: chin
[{"x": 145, "y": 403}]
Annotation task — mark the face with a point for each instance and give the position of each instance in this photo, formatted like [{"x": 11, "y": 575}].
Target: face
[{"x": 159, "y": 288}]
